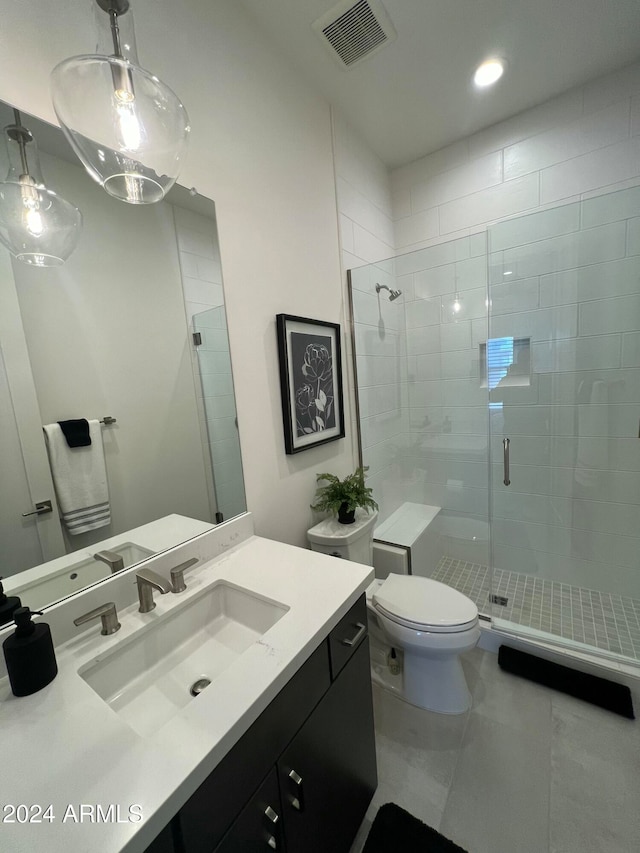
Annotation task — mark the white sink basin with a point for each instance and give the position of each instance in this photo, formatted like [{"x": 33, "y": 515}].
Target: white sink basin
[
  {"x": 149, "y": 678},
  {"x": 73, "y": 575},
  {"x": 131, "y": 553}
]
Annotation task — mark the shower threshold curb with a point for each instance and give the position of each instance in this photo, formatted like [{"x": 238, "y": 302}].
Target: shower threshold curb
[{"x": 492, "y": 638}]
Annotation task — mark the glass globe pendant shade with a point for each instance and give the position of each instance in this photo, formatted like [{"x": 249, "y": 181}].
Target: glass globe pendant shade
[
  {"x": 127, "y": 127},
  {"x": 38, "y": 226}
]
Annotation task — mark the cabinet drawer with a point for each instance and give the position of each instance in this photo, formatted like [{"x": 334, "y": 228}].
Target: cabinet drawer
[
  {"x": 206, "y": 817},
  {"x": 258, "y": 828},
  {"x": 347, "y": 635}
]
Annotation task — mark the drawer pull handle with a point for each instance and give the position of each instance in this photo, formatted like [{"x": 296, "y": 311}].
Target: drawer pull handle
[
  {"x": 361, "y": 630},
  {"x": 297, "y": 802},
  {"x": 271, "y": 815}
]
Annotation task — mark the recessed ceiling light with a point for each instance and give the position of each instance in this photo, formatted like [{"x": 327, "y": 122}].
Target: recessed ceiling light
[{"x": 488, "y": 73}]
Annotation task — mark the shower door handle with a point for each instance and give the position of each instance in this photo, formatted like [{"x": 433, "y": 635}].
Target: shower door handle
[{"x": 505, "y": 444}]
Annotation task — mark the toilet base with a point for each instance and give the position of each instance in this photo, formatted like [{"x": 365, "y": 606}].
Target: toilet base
[{"x": 436, "y": 684}]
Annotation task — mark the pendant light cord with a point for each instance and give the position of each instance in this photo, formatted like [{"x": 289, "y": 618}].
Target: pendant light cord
[
  {"x": 22, "y": 131},
  {"x": 115, "y": 33}
]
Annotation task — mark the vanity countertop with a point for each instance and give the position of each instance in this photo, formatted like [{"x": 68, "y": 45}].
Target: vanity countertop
[{"x": 64, "y": 746}]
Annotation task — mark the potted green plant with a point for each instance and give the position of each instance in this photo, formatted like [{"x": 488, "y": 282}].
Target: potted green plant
[{"x": 343, "y": 497}]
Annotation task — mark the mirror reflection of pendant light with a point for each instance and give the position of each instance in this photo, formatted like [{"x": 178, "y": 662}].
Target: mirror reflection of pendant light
[
  {"x": 128, "y": 128},
  {"x": 36, "y": 225}
]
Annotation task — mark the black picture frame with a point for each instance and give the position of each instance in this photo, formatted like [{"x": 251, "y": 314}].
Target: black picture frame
[{"x": 310, "y": 381}]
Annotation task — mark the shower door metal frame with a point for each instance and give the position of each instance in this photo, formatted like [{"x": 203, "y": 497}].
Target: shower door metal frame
[{"x": 354, "y": 362}]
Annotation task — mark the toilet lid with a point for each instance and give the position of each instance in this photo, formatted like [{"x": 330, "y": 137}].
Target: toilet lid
[{"x": 422, "y": 602}]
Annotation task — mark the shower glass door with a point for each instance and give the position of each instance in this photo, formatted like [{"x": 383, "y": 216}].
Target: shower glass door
[
  {"x": 422, "y": 407},
  {"x": 562, "y": 366}
]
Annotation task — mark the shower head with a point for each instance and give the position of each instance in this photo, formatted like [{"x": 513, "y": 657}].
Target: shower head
[{"x": 393, "y": 294}]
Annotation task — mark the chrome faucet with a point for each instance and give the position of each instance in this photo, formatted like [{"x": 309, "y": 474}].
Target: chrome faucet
[
  {"x": 113, "y": 560},
  {"x": 147, "y": 581}
]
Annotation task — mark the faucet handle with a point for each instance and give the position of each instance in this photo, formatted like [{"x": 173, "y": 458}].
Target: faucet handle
[
  {"x": 111, "y": 558},
  {"x": 107, "y": 612},
  {"x": 177, "y": 574}
]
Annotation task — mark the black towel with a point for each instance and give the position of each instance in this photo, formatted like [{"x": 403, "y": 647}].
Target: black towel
[{"x": 76, "y": 432}]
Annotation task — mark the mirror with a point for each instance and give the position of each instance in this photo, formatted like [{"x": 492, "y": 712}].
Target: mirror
[{"x": 131, "y": 328}]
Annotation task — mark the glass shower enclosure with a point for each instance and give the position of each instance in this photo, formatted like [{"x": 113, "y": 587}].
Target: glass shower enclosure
[{"x": 503, "y": 389}]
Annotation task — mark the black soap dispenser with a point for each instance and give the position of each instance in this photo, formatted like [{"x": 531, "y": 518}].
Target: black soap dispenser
[
  {"x": 31, "y": 660},
  {"x": 8, "y": 606}
]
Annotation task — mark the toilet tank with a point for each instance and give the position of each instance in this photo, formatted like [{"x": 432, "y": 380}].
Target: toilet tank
[{"x": 349, "y": 541}]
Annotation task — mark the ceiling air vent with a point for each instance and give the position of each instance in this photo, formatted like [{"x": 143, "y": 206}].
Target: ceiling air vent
[{"x": 353, "y": 31}]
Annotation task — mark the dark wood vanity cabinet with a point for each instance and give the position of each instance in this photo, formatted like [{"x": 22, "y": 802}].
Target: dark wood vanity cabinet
[
  {"x": 333, "y": 756},
  {"x": 259, "y": 826},
  {"x": 301, "y": 778},
  {"x": 165, "y": 842}
]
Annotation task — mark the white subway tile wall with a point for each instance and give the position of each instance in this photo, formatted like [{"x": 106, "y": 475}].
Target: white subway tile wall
[
  {"x": 382, "y": 370},
  {"x": 367, "y": 237},
  {"x": 423, "y": 413},
  {"x": 571, "y": 511},
  {"x": 585, "y": 139}
]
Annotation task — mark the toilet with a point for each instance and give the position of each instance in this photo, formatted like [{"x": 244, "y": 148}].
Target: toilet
[
  {"x": 433, "y": 624},
  {"x": 418, "y": 624}
]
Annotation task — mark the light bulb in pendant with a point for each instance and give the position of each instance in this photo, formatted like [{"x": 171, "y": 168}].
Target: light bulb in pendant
[
  {"x": 127, "y": 126},
  {"x": 38, "y": 226},
  {"x": 31, "y": 216}
]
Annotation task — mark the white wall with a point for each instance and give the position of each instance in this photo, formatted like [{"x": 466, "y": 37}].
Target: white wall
[
  {"x": 107, "y": 335},
  {"x": 20, "y": 543},
  {"x": 261, "y": 148}
]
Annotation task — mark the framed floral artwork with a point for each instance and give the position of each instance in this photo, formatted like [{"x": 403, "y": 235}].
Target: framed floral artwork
[{"x": 310, "y": 382}]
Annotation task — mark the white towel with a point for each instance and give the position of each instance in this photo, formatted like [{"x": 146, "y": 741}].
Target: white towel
[{"x": 80, "y": 478}]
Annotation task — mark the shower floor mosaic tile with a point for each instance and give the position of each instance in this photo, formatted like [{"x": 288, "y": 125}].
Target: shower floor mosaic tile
[{"x": 608, "y": 622}]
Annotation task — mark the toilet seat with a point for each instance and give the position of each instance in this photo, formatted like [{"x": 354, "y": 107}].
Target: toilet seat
[
  {"x": 425, "y": 605},
  {"x": 425, "y": 628}
]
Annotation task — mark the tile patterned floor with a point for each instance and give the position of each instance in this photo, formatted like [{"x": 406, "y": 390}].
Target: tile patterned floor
[
  {"x": 526, "y": 770},
  {"x": 608, "y": 622}
]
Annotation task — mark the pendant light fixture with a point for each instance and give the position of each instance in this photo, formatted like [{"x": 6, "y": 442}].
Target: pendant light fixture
[
  {"x": 36, "y": 225},
  {"x": 128, "y": 128}
]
